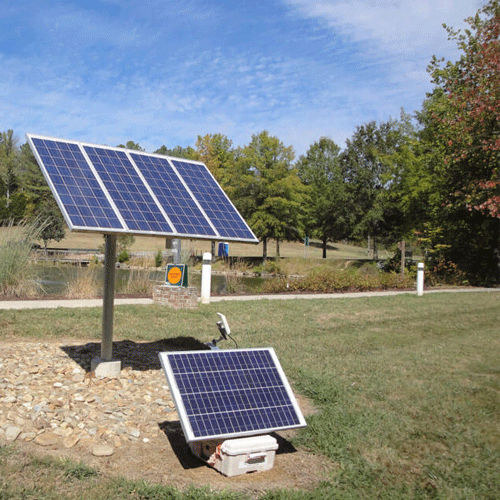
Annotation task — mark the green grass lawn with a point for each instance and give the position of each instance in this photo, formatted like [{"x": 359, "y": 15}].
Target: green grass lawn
[
  {"x": 408, "y": 387},
  {"x": 83, "y": 240}
]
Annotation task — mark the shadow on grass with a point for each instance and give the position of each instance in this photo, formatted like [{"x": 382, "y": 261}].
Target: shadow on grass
[
  {"x": 136, "y": 355},
  {"x": 318, "y": 244},
  {"x": 180, "y": 447}
]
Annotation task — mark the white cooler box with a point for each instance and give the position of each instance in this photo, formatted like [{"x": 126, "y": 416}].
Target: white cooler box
[{"x": 237, "y": 456}]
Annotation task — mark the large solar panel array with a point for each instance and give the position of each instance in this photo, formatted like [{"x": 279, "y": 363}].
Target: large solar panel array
[
  {"x": 230, "y": 393},
  {"x": 106, "y": 189}
]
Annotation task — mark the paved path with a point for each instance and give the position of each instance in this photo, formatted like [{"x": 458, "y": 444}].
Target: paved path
[{"x": 52, "y": 304}]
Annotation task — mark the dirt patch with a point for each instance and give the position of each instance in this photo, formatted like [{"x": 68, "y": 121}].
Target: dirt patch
[{"x": 169, "y": 461}]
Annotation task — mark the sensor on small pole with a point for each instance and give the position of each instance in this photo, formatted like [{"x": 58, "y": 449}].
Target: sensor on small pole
[{"x": 225, "y": 333}]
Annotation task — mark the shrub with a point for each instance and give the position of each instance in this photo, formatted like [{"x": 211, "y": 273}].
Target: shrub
[
  {"x": 138, "y": 283},
  {"x": 271, "y": 266},
  {"x": 444, "y": 272},
  {"x": 144, "y": 260},
  {"x": 83, "y": 285},
  {"x": 123, "y": 256},
  {"x": 158, "y": 258},
  {"x": 327, "y": 280}
]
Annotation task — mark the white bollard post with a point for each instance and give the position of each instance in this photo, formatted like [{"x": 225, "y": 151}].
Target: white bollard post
[
  {"x": 206, "y": 277},
  {"x": 420, "y": 279}
]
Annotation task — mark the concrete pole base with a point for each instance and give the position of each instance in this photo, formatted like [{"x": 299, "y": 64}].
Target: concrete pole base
[{"x": 106, "y": 369}]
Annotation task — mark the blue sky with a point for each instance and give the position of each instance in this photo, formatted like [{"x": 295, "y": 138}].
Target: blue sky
[{"x": 163, "y": 72}]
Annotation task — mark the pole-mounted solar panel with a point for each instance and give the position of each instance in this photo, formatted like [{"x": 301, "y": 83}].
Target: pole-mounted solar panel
[
  {"x": 116, "y": 190},
  {"x": 113, "y": 191}
]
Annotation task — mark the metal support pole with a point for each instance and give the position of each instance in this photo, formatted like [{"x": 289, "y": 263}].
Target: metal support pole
[{"x": 109, "y": 297}]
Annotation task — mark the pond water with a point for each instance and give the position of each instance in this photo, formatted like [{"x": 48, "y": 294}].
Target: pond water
[{"x": 54, "y": 279}]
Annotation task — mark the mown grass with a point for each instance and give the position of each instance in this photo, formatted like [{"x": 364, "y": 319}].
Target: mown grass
[
  {"x": 76, "y": 240},
  {"x": 407, "y": 387},
  {"x": 48, "y": 478}
]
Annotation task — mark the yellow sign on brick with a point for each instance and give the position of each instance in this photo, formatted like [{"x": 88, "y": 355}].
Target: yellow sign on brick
[{"x": 176, "y": 275}]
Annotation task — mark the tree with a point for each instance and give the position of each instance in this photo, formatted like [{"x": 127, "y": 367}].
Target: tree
[
  {"x": 409, "y": 182},
  {"x": 32, "y": 182},
  {"x": 367, "y": 169},
  {"x": 462, "y": 116},
  {"x": 268, "y": 191},
  {"x": 329, "y": 208},
  {"x": 52, "y": 222},
  {"x": 30, "y": 176},
  {"x": 131, "y": 145},
  {"x": 178, "y": 152},
  {"x": 216, "y": 151},
  {"x": 466, "y": 106},
  {"x": 8, "y": 162}
]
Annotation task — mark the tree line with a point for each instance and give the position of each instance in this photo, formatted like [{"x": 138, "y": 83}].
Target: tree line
[{"x": 432, "y": 177}]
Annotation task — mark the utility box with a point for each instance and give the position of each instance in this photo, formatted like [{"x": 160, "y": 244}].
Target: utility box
[{"x": 233, "y": 457}]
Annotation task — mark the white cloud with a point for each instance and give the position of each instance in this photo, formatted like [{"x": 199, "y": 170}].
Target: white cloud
[
  {"x": 123, "y": 73},
  {"x": 397, "y": 26}
]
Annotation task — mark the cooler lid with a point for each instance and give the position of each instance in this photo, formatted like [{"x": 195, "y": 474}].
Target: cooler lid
[{"x": 252, "y": 444}]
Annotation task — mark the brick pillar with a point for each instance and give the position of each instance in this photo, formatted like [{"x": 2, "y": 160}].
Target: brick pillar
[{"x": 178, "y": 297}]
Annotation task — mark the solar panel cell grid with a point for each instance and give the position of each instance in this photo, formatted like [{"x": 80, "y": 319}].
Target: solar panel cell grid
[
  {"x": 230, "y": 393},
  {"x": 99, "y": 188},
  {"x": 171, "y": 193},
  {"x": 213, "y": 200},
  {"x": 130, "y": 195},
  {"x": 74, "y": 184}
]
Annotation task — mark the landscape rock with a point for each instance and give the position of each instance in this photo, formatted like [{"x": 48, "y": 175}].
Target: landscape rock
[
  {"x": 70, "y": 441},
  {"x": 47, "y": 439},
  {"x": 12, "y": 433},
  {"x": 102, "y": 450},
  {"x": 57, "y": 401}
]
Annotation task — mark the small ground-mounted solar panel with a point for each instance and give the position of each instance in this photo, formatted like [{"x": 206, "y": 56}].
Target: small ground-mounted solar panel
[
  {"x": 116, "y": 190},
  {"x": 230, "y": 393}
]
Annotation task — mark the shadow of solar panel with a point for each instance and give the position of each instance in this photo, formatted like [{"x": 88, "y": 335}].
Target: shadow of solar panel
[
  {"x": 229, "y": 393},
  {"x": 74, "y": 186}
]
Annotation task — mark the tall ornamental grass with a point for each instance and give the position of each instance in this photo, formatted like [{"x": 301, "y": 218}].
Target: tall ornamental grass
[
  {"x": 138, "y": 282},
  {"x": 17, "y": 273},
  {"x": 83, "y": 285}
]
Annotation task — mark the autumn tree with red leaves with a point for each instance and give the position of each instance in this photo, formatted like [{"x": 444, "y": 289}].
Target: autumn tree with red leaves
[
  {"x": 471, "y": 131},
  {"x": 461, "y": 119}
]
